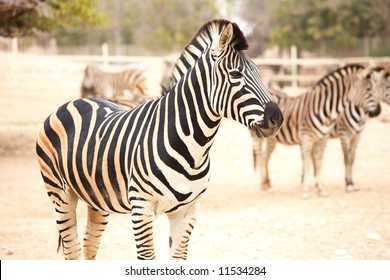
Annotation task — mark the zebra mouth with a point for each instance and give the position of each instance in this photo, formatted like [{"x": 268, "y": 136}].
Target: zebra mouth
[
  {"x": 260, "y": 129},
  {"x": 271, "y": 122}
]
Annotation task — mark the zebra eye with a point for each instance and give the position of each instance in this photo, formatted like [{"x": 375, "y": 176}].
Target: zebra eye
[{"x": 236, "y": 74}]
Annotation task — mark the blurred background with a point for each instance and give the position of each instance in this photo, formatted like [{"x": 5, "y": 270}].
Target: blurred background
[
  {"x": 335, "y": 28},
  {"x": 45, "y": 47},
  {"x": 298, "y": 40}
]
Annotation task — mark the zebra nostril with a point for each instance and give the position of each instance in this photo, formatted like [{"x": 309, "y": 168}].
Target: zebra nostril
[
  {"x": 272, "y": 115},
  {"x": 376, "y": 112}
]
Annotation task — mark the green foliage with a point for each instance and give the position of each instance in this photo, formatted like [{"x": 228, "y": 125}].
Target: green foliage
[
  {"x": 20, "y": 18},
  {"x": 169, "y": 24},
  {"x": 361, "y": 18},
  {"x": 313, "y": 24},
  {"x": 71, "y": 13},
  {"x": 158, "y": 25}
]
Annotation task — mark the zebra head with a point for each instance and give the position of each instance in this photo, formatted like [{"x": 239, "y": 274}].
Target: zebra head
[
  {"x": 87, "y": 89},
  {"x": 236, "y": 89},
  {"x": 367, "y": 89},
  {"x": 376, "y": 84},
  {"x": 380, "y": 80}
]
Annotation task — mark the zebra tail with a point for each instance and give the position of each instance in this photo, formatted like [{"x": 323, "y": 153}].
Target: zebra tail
[
  {"x": 60, "y": 243},
  {"x": 254, "y": 154}
]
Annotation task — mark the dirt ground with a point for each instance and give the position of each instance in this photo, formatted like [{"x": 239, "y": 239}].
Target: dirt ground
[{"x": 236, "y": 221}]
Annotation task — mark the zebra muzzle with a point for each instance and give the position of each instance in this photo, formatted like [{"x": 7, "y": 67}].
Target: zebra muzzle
[
  {"x": 376, "y": 112},
  {"x": 273, "y": 120}
]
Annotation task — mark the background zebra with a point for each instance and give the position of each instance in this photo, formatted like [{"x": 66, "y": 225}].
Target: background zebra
[
  {"x": 154, "y": 158},
  {"x": 352, "y": 122},
  {"x": 129, "y": 84},
  {"x": 310, "y": 118}
]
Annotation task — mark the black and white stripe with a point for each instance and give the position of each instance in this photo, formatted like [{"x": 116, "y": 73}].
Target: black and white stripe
[
  {"x": 129, "y": 83},
  {"x": 353, "y": 121},
  {"x": 311, "y": 118},
  {"x": 154, "y": 158}
]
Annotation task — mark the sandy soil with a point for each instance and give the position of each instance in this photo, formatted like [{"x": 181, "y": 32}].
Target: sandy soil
[{"x": 236, "y": 221}]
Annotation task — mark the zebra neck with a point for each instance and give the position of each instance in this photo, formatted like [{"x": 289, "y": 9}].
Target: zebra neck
[
  {"x": 336, "y": 96},
  {"x": 352, "y": 121},
  {"x": 191, "y": 124}
]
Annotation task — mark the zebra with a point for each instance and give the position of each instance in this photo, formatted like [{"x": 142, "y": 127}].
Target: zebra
[
  {"x": 352, "y": 122},
  {"x": 129, "y": 84},
  {"x": 152, "y": 159},
  {"x": 311, "y": 117}
]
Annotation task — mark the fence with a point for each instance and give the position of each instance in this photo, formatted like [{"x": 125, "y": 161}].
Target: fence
[
  {"x": 52, "y": 71},
  {"x": 299, "y": 72}
]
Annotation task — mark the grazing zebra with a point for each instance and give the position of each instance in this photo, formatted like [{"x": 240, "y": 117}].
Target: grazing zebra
[
  {"x": 154, "y": 158},
  {"x": 130, "y": 83},
  {"x": 310, "y": 118}
]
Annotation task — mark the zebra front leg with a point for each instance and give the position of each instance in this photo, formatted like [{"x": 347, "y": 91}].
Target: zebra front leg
[
  {"x": 349, "y": 146},
  {"x": 267, "y": 146},
  {"x": 181, "y": 225},
  {"x": 96, "y": 224},
  {"x": 317, "y": 157},
  {"x": 306, "y": 153},
  {"x": 143, "y": 217},
  {"x": 67, "y": 225}
]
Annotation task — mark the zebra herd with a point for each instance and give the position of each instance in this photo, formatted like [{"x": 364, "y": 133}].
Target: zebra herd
[
  {"x": 337, "y": 106},
  {"x": 148, "y": 157}
]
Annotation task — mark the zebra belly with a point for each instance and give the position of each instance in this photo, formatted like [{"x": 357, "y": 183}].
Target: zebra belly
[
  {"x": 102, "y": 193},
  {"x": 167, "y": 192}
]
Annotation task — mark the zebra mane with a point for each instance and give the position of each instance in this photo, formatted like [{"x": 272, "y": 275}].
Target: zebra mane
[
  {"x": 380, "y": 68},
  {"x": 349, "y": 69},
  {"x": 214, "y": 27},
  {"x": 201, "y": 42}
]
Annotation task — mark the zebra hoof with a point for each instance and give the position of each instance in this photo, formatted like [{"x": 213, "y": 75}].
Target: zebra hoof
[
  {"x": 266, "y": 188},
  {"x": 351, "y": 188},
  {"x": 305, "y": 195},
  {"x": 323, "y": 193}
]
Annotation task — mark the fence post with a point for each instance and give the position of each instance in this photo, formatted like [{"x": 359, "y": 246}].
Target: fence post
[
  {"x": 294, "y": 66},
  {"x": 105, "y": 53}
]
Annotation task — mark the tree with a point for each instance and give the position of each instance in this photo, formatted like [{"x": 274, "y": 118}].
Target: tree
[
  {"x": 24, "y": 17},
  {"x": 362, "y": 20},
  {"x": 256, "y": 14},
  {"x": 169, "y": 24},
  {"x": 316, "y": 24},
  {"x": 156, "y": 25},
  {"x": 306, "y": 24}
]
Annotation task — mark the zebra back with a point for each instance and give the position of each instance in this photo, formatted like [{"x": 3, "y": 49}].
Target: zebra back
[
  {"x": 317, "y": 111},
  {"x": 130, "y": 83},
  {"x": 352, "y": 121}
]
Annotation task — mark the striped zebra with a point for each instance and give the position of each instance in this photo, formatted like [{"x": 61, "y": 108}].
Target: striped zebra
[
  {"x": 152, "y": 159},
  {"x": 352, "y": 122},
  {"x": 311, "y": 118},
  {"x": 129, "y": 84}
]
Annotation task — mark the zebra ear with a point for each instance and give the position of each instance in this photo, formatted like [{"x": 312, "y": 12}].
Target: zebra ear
[
  {"x": 226, "y": 36},
  {"x": 365, "y": 74}
]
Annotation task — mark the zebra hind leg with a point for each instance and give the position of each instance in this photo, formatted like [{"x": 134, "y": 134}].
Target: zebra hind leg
[
  {"x": 306, "y": 154},
  {"x": 349, "y": 145},
  {"x": 96, "y": 224},
  {"x": 181, "y": 226},
  {"x": 317, "y": 157},
  {"x": 67, "y": 224}
]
